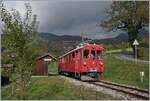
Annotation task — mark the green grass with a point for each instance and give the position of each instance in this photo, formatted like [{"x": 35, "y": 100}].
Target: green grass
[
  {"x": 143, "y": 52},
  {"x": 53, "y": 67},
  {"x": 56, "y": 88},
  {"x": 118, "y": 50},
  {"x": 125, "y": 72}
]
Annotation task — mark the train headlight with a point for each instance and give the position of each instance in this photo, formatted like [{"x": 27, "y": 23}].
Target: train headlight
[
  {"x": 93, "y": 62},
  {"x": 84, "y": 63},
  {"x": 101, "y": 63}
]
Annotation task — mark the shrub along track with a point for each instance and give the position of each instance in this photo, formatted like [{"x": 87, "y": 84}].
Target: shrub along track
[{"x": 115, "y": 89}]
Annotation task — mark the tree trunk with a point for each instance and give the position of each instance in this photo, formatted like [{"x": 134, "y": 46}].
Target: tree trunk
[
  {"x": 132, "y": 35},
  {"x": 133, "y": 48}
]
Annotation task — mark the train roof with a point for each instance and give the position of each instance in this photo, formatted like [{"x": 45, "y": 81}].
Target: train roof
[{"x": 79, "y": 47}]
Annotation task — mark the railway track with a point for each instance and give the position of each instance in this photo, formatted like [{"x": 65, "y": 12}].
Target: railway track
[{"x": 127, "y": 90}]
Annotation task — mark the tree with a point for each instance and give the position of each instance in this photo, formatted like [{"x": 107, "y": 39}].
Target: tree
[
  {"x": 129, "y": 16},
  {"x": 20, "y": 39}
]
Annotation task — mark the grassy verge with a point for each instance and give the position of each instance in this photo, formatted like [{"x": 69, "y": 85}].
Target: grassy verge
[
  {"x": 118, "y": 50},
  {"x": 56, "y": 88},
  {"x": 144, "y": 53},
  {"x": 125, "y": 72}
]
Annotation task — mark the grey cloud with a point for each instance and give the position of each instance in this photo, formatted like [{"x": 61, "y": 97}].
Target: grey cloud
[{"x": 67, "y": 17}]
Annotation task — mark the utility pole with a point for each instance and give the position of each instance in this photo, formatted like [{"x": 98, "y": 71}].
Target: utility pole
[{"x": 82, "y": 37}]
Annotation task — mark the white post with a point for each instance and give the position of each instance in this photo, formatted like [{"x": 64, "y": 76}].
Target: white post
[
  {"x": 142, "y": 76},
  {"x": 135, "y": 53}
]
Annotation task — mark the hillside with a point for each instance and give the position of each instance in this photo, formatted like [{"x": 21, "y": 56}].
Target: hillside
[
  {"x": 122, "y": 37},
  {"x": 53, "y": 37}
]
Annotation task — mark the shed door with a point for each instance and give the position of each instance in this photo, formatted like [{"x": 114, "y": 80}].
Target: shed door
[{"x": 41, "y": 68}]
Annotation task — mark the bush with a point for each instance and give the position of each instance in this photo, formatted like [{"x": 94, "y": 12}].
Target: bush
[{"x": 144, "y": 53}]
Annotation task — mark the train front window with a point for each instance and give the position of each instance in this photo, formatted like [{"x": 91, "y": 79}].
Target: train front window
[
  {"x": 99, "y": 54},
  {"x": 86, "y": 54},
  {"x": 93, "y": 54}
]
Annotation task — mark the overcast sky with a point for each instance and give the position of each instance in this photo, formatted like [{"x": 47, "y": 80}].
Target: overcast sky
[{"x": 67, "y": 17}]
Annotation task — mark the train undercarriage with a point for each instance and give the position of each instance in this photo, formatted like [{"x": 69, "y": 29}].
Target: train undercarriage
[{"x": 83, "y": 76}]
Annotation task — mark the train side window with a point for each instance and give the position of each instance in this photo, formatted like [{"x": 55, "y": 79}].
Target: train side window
[
  {"x": 80, "y": 54},
  {"x": 76, "y": 51},
  {"x": 77, "y": 55},
  {"x": 65, "y": 58},
  {"x": 73, "y": 55},
  {"x": 86, "y": 54},
  {"x": 69, "y": 57},
  {"x": 93, "y": 54}
]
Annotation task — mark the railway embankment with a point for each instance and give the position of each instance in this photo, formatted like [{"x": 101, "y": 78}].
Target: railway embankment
[
  {"x": 125, "y": 72},
  {"x": 119, "y": 91}
]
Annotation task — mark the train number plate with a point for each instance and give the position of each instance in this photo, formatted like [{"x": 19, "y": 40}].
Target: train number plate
[{"x": 93, "y": 70}]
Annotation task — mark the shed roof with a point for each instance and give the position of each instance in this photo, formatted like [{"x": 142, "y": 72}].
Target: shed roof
[{"x": 45, "y": 55}]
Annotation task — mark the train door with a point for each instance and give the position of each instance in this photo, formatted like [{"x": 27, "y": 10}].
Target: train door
[
  {"x": 73, "y": 61},
  {"x": 93, "y": 58},
  {"x": 99, "y": 57},
  {"x": 86, "y": 58},
  {"x": 78, "y": 63}
]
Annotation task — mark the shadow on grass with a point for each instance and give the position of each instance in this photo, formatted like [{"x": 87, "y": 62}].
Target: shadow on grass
[{"x": 5, "y": 81}]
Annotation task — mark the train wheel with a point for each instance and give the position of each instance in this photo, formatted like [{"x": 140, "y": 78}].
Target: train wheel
[
  {"x": 97, "y": 76},
  {"x": 78, "y": 76},
  {"x": 60, "y": 72}
]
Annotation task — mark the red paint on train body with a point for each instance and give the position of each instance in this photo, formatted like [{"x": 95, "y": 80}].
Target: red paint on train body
[{"x": 84, "y": 60}]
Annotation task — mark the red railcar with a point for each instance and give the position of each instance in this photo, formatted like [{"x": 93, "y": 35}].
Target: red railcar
[{"x": 86, "y": 60}]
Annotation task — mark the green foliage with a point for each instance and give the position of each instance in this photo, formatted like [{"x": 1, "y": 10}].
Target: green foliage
[
  {"x": 112, "y": 46},
  {"x": 143, "y": 48},
  {"x": 127, "y": 15},
  {"x": 144, "y": 53},
  {"x": 56, "y": 48},
  {"x": 20, "y": 45},
  {"x": 130, "y": 16},
  {"x": 53, "y": 67},
  {"x": 125, "y": 72}
]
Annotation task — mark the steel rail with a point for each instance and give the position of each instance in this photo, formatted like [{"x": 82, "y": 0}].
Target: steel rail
[
  {"x": 125, "y": 86},
  {"x": 124, "y": 89}
]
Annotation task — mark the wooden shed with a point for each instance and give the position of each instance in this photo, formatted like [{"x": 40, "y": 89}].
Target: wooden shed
[{"x": 41, "y": 66}]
